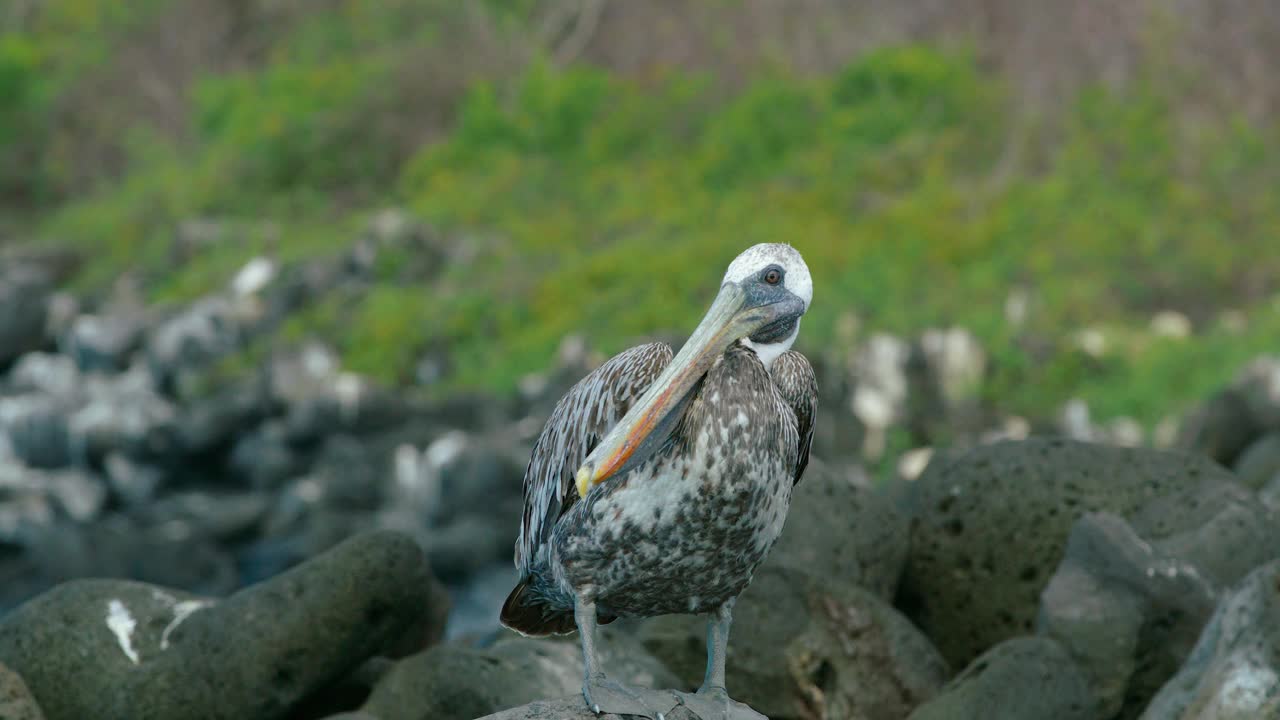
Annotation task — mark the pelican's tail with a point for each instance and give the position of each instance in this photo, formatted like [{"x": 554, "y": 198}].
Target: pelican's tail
[{"x": 533, "y": 614}]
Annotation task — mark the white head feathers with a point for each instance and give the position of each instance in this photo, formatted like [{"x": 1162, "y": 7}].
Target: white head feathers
[{"x": 796, "y": 279}]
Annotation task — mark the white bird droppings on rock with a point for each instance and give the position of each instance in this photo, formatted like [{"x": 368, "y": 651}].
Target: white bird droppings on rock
[
  {"x": 349, "y": 388},
  {"x": 446, "y": 449},
  {"x": 913, "y": 462},
  {"x": 1171, "y": 324},
  {"x": 181, "y": 612},
  {"x": 1092, "y": 341},
  {"x": 253, "y": 277},
  {"x": 122, "y": 624}
]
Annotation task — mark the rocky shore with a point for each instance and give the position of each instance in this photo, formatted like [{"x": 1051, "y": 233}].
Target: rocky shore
[{"x": 293, "y": 541}]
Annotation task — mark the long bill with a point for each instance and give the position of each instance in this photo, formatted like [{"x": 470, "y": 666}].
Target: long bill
[{"x": 648, "y": 423}]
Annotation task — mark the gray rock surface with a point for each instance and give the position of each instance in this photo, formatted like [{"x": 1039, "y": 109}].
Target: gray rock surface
[
  {"x": 1019, "y": 679},
  {"x": 37, "y": 429},
  {"x": 45, "y": 374},
  {"x": 31, "y": 499},
  {"x": 16, "y": 702},
  {"x": 570, "y": 708},
  {"x": 1234, "y": 671},
  {"x": 1270, "y": 495},
  {"x": 24, "y": 300},
  {"x": 1259, "y": 465},
  {"x": 1110, "y": 586},
  {"x": 104, "y": 342},
  {"x": 86, "y": 420},
  {"x": 452, "y": 682},
  {"x": 263, "y": 458},
  {"x": 115, "y": 649},
  {"x": 121, "y": 546},
  {"x": 989, "y": 527},
  {"x": 803, "y": 645},
  {"x": 1236, "y": 416},
  {"x": 217, "y": 419},
  {"x": 122, "y": 412},
  {"x": 202, "y": 332}
]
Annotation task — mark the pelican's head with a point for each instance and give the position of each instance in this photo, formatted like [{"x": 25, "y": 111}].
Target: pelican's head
[
  {"x": 773, "y": 275},
  {"x": 763, "y": 294}
]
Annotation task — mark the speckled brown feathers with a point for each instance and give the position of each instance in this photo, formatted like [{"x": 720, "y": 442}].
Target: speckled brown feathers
[
  {"x": 682, "y": 532},
  {"x": 592, "y": 406},
  {"x": 796, "y": 382}
]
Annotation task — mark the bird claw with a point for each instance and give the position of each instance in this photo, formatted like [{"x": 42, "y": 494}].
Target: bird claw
[
  {"x": 606, "y": 696},
  {"x": 714, "y": 703}
]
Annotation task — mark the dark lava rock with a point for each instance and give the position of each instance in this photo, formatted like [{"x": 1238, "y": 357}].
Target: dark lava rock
[
  {"x": 122, "y": 413},
  {"x": 845, "y": 531},
  {"x": 24, "y": 301},
  {"x": 461, "y": 495},
  {"x": 38, "y": 429},
  {"x": 42, "y": 373},
  {"x": 451, "y": 682},
  {"x": 1259, "y": 465},
  {"x": 346, "y": 694},
  {"x": 301, "y": 523},
  {"x": 349, "y": 474},
  {"x": 468, "y": 545},
  {"x": 989, "y": 527},
  {"x": 1234, "y": 671},
  {"x": 172, "y": 555},
  {"x": 16, "y": 702},
  {"x": 134, "y": 483},
  {"x": 264, "y": 459},
  {"x": 114, "y": 649},
  {"x": 319, "y": 398},
  {"x": 1129, "y": 610},
  {"x": 210, "y": 423},
  {"x": 1018, "y": 679},
  {"x": 479, "y": 470},
  {"x": 1237, "y": 415},
  {"x": 19, "y": 580},
  {"x": 208, "y": 329},
  {"x": 33, "y": 499},
  {"x": 570, "y": 708},
  {"x": 805, "y": 646},
  {"x": 1270, "y": 494},
  {"x": 104, "y": 342},
  {"x": 218, "y": 515}
]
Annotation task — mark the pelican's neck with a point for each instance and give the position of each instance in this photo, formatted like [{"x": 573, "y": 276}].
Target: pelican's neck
[{"x": 768, "y": 352}]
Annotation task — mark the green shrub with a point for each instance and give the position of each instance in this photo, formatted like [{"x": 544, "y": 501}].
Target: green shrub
[
  {"x": 610, "y": 205},
  {"x": 22, "y": 107},
  {"x": 294, "y": 128}
]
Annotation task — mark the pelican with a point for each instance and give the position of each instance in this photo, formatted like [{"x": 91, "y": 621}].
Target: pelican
[{"x": 658, "y": 485}]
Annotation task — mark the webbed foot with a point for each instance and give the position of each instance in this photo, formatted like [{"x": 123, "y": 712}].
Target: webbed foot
[
  {"x": 606, "y": 696},
  {"x": 714, "y": 703}
]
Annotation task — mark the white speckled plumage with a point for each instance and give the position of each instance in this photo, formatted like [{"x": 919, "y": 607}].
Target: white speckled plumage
[
  {"x": 595, "y": 404},
  {"x": 708, "y": 505},
  {"x": 622, "y": 519}
]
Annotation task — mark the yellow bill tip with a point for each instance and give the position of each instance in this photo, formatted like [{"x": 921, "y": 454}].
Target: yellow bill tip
[{"x": 584, "y": 481}]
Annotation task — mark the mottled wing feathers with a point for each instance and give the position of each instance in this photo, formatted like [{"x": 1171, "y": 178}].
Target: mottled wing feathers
[
  {"x": 794, "y": 378},
  {"x": 581, "y": 418}
]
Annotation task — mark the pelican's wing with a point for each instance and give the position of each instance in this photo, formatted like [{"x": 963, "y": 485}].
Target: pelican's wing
[
  {"x": 581, "y": 418},
  {"x": 794, "y": 377}
]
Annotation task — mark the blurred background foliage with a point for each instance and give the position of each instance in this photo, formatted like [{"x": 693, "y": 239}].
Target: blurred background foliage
[{"x": 597, "y": 163}]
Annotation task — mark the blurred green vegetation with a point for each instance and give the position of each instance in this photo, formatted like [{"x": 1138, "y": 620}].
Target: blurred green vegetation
[{"x": 610, "y": 204}]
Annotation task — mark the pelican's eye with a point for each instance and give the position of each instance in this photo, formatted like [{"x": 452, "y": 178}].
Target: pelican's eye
[{"x": 773, "y": 276}]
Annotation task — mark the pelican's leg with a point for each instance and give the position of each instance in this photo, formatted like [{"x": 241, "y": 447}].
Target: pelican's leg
[
  {"x": 717, "y": 645},
  {"x": 604, "y": 695},
  {"x": 712, "y": 701}
]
